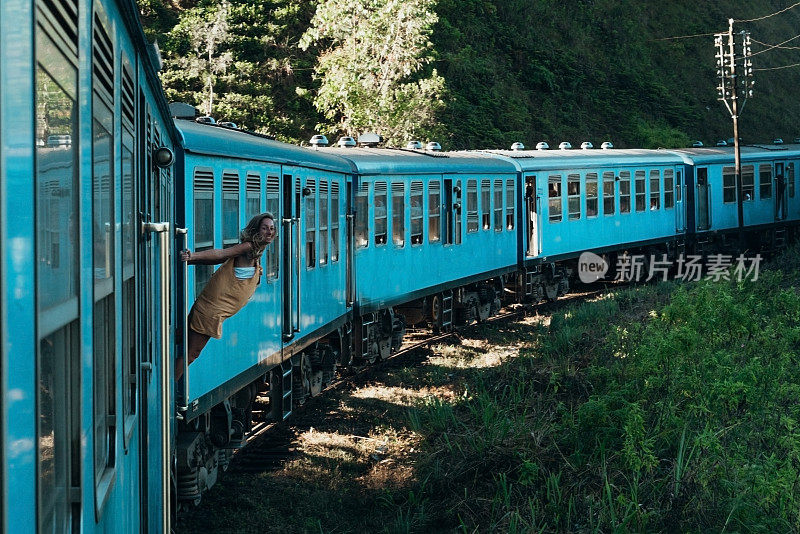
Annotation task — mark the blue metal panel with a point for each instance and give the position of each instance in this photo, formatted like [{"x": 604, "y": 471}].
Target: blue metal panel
[
  {"x": 386, "y": 273},
  {"x": 19, "y": 447}
]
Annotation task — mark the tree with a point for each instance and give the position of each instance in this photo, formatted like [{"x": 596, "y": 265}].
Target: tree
[
  {"x": 373, "y": 70},
  {"x": 258, "y": 88},
  {"x": 206, "y": 30}
]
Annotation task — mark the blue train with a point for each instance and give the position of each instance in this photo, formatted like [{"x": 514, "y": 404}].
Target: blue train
[{"x": 103, "y": 183}]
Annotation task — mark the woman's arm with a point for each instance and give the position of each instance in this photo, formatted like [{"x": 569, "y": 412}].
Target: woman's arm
[{"x": 214, "y": 256}]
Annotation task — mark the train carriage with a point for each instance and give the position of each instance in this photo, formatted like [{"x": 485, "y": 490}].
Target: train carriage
[
  {"x": 427, "y": 223},
  {"x": 86, "y": 213},
  {"x": 770, "y": 202},
  {"x": 229, "y": 176}
]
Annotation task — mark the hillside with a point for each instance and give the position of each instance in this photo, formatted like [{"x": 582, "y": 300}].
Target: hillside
[{"x": 522, "y": 70}]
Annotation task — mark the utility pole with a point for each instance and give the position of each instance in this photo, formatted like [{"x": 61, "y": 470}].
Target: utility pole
[{"x": 728, "y": 92}]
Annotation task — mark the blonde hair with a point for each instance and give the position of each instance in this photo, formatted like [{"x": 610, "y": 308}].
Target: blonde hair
[{"x": 251, "y": 234}]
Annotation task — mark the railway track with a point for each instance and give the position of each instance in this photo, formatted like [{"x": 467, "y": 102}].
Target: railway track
[{"x": 270, "y": 444}]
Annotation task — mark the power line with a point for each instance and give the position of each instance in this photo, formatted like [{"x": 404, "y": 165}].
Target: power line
[
  {"x": 683, "y": 37},
  {"x": 778, "y": 68},
  {"x": 777, "y": 45},
  {"x": 772, "y": 47},
  {"x": 772, "y": 14}
]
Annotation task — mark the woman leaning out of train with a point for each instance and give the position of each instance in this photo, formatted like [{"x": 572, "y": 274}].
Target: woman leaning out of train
[{"x": 229, "y": 288}]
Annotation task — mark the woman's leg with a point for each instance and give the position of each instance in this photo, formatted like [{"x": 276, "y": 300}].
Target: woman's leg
[{"x": 196, "y": 343}]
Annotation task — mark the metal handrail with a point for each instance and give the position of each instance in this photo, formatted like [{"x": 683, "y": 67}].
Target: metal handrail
[
  {"x": 162, "y": 229},
  {"x": 184, "y": 407},
  {"x": 297, "y": 268}
]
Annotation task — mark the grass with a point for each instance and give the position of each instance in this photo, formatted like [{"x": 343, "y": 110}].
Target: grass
[{"x": 657, "y": 409}]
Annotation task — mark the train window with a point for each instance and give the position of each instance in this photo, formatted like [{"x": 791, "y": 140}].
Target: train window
[
  {"x": 765, "y": 181},
  {"x": 655, "y": 189},
  {"x": 203, "y": 222},
  {"x": 640, "y": 190},
  {"x": 334, "y": 221},
  {"x": 498, "y": 205},
  {"x": 472, "y": 206},
  {"x": 104, "y": 323},
  {"x": 230, "y": 208},
  {"x": 574, "y": 196},
  {"x": 748, "y": 182},
  {"x": 311, "y": 224},
  {"x": 591, "y": 194},
  {"x": 510, "y": 201},
  {"x": 608, "y": 193},
  {"x": 252, "y": 206},
  {"x": 380, "y": 212},
  {"x": 554, "y": 198},
  {"x": 728, "y": 185},
  {"x": 398, "y": 214},
  {"x": 416, "y": 213},
  {"x": 669, "y": 189},
  {"x": 273, "y": 207},
  {"x": 486, "y": 204},
  {"x": 323, "y": 223},
  {"x": 625, "y": 192},
  {"x": 790, "y": 179},
  {"x": 434, "y": 211},
  {"x": 362, "y": 212},
  {"x": 58, "y": 358}
]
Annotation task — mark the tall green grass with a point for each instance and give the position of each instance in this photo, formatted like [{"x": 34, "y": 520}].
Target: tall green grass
[{"x": 664, "y": 408}]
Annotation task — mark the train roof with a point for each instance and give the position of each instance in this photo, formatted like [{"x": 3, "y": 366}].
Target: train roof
[
  {"x": 402, "y": 161},
  {"x": 748, "y": 153},
  {"x": 544, "y": 160},
  {"x": 211, "y": 140}
]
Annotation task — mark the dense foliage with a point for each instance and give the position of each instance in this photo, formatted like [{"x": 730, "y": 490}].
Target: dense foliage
[
  {"x": 478, "y": 73},
  {"x": 667, "y": 409}
]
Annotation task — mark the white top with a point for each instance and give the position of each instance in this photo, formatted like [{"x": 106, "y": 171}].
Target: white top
[{"x": 244, "y": 273}]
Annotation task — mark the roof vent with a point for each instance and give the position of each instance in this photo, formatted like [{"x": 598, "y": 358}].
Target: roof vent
[
  {"x": 319, "y": 140},
  {"x": 564, "y": 145},
  {"x": 517, "y": 146},
  {"x": 369, "y": 139},
  {"x": 414, "y": 145},
  {"x": 777, "y": 141},
  {"x": 606, "y": 145},
  {"x": 722, "y": 142},
  {"x": 346, "y": 141},
  {"x": 697, "y": 144},
  {"x": 433, "y": 146},
  {"x": 796, "y": 140},
  {"x": 541, "y": 145},
  {"x": 586, "y": 145},
  {"x": 228, "y": 124},
  {"x": 205, "y": 119}
]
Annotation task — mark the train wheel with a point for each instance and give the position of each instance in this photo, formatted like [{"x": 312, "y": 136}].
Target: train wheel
[
  {"x": 551, "y": 290},
  {"x": 436, "y": 312},
  {"x": 312, "y": 380}
]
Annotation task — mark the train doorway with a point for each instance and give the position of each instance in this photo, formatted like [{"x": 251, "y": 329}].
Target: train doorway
[
  {"x": 291, "y": 255},
  {"x": 703, "y": 216},
  {"x": 780, "y": 192},
  {"x": 532, "y": 215},
  {"x": 680, "y": 210}
]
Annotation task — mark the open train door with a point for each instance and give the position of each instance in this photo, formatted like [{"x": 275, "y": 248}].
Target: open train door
[
  {"x": 680, "y": 209},
  {"x": 702, "y": 206},
  {"x": 532, "y": 216},
  {"x": 291, "y": 255},
  {"x": 780, "y": 191}
]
